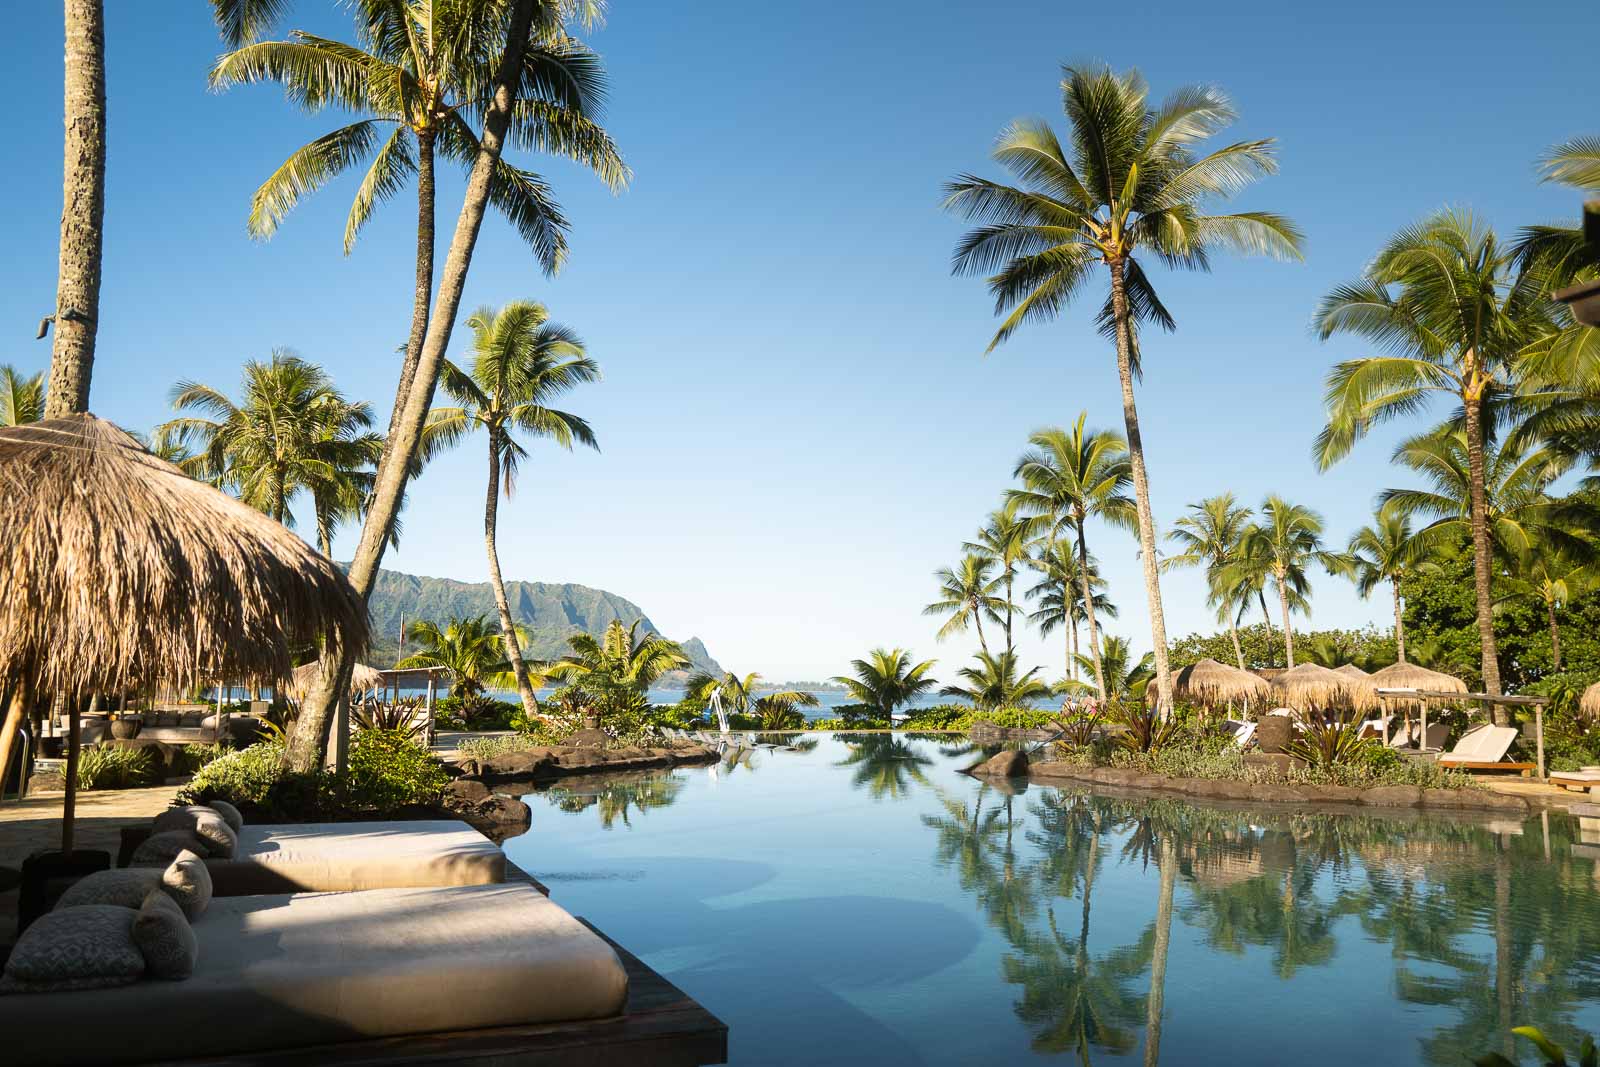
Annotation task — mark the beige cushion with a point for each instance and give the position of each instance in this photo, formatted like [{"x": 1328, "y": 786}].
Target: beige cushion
[
  {"x": 159, "y": 850},
  {"x": 289, "y": 971},
  {"x": 337, "y": 857},
  {"x": 189, "y": 882},
  {"x": 206, "y": 823},
  {"x": 86, "y": 947},
  {"x": 164, "y": 937},
  {"x": 229, "y": 813},
  {"x": 126, "y": 888}
]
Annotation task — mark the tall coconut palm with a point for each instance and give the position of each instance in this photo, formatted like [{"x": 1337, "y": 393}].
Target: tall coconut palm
[
  {"x": 83, "y": 207},
  {"x": 1069, "y": 477},
  {"x": 1004, "y": 541},
  {"x": 888, "y": 679},
  {"x": 1212, "y": 536},
  {"x": 290, "y": 432},
  {"x": 993, "y": 683},
  {"x": 418, "y": 73},
  {"x": 473, "y": 651},
  {"x": 1132, "y": 184},
  {"x": 21, "y": 396},
  {"x": 1060, "y": 595},
  {"x": 966, "y": 595},
  {"x": 1384, "y": 551},
  {"x": 1443, "y": 302},
  {"x": 521, "y": 361},
  {"x": 1283, "y": 546}
]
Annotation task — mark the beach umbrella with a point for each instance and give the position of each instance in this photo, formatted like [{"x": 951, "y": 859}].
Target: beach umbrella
[
  {"x": 120, "y": 570},
  {"x": 1589, "y": 704},
  {"x": 1310, "y": 685},
  {"x": 1411, "y": 676},
  {"x": 1211, "y": 684},
  {"x": 1363, "y": 690}
]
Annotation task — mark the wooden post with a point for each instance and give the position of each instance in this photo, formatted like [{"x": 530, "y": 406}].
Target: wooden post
[
  {"x": 1383, "y": 720},
  {"x": 1422, "y": 741},
  {"x": 430, "y": 707},
  {"x": 69, "y": 804},
  {"x": 10, "y": 731},
  {"x": 1538, "y": 734},
  {"x": 341, "y": 735}
]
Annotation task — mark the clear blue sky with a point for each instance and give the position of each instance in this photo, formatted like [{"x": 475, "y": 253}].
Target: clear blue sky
[{"x": 797, "y": 419}]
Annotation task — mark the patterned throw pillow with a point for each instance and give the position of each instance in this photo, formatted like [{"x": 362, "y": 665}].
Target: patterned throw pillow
[
  {"x": 126, "y": 888},
  {"x": 86, "y": 947},
  {"x": 229, "y": 813},
  {"x": 218, "y": 837},
  {"x": 165, "y": 938},
  {"x": 159, "y": 850},
  {"x": 189, "y": 883}
]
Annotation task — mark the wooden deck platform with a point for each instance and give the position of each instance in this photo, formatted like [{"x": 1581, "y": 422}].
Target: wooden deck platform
[
  {"x": 1479, "y": 765},
  {"x": 660, "y": 1027}
]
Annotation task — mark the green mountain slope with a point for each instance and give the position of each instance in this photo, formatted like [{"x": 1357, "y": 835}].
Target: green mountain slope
[{"x": 550, "y": 611}]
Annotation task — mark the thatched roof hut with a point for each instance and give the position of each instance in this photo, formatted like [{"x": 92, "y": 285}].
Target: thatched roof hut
[
  {"x": 1411, "y": 676},
  {"x": 1212, "y": 684},
  {"x": 362, "y": 679},
  {"x": 1363, "y": 690},
  {"x": 1589, "y": 703},
  {"x": 119, "y": 569},
  {"x": 1309, "y": 686}
]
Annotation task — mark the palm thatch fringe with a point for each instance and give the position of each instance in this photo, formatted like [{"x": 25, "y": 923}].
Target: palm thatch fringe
[
  {"x": 1589, "y": 703},
  {"x": 1309, "y": 686},
  {"x": 362, "y": 679},
  {"x": 1212, "y": 684},
  {"x": 121, "y": 571},
  {"x": 1411, "y": 676}
]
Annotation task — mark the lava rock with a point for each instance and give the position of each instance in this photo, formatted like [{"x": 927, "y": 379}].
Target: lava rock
[{"x": 1012, "y": 764}]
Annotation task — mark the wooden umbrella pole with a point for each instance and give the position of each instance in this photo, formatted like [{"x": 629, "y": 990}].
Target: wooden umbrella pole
[{"x": 69, "y": 804}]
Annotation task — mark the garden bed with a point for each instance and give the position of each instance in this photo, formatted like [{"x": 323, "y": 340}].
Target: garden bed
[{"x": 1299, "y": 794}]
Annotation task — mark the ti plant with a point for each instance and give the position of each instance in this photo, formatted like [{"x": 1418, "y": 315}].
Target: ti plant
[
  {"x": 1328, "y": 743},
  {"x": 1553, "y": 1054},
  {"x": 1143, "y": 730},
  {"x": 398, "y": 718}
]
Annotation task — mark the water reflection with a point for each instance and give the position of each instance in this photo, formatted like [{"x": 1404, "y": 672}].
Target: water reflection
[
  {"x": 615, "y": 797},
  {"x": 885, "y": 765}
]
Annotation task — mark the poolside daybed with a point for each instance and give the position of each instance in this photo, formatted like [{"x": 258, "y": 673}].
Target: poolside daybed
[{"x": 289, "y": 971}]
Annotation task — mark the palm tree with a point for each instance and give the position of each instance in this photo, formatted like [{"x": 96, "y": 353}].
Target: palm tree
[
  {"x": 520, "y": 362},
  {"x": 469, "y": 648},
  {"x": 781, "y": 711},
  {"x": 1004, "y": 541},
  {"x": 993, "y": 683},
  {"x": 885, "y": 765},
  {"x": 1133, "y": 185},
  {"x": 418, "y": 73},
  {"x": 620, "y": 658},
  {"x": 512, "y": 29},
  {"x": 21, "y": 396},
  {"x": 1212, "y": 536},
  {"x": 887, "y": 680},
  {"x": 1125, "y": 678},
  {"x": 1282, "y": 547},
  {"x": 1441, "y": 299},
  {"x": 83, "y": 199},
  {"x": 1384, "y": 552},
  {"x": 1059, "y": 593},
  {"x": 291, "y": 432},
  {"x": 966, "y": 594},
  {"x": 1551, "y": 578},
  {"x": 1069, "y": 477},
  {"x": 737, "y": 695}
]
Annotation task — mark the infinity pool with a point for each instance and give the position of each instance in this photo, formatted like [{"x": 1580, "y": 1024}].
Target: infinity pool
[{"x": 856, "y": 900}]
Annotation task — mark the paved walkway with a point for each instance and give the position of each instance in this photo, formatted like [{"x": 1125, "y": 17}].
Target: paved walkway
[{"x": 1535, "y": 792}]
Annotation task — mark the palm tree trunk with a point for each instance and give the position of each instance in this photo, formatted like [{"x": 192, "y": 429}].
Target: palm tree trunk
[
  {"x": 305, "y": 751},
  {"x": 1482, "y": 563},
  {"x": 1088, "y": 613},
  {"x": 1233, "y": 632},
  {"x": 424, "y": 287},
  {"x": 1155, "y": 1002},
  {"x": 977, "y": 617},
  {"x": 1011, "y": 608},
  {"x": 1072, "y": 636},
  {"x": 508, "y": 628},
  {"x": 1555, "y": 636},
  {"x": 83, "y": 209},
  {"x": 1288, "y": 630},
  {"x": 1399, "y": 624},
  {"x": 1266, "y": 616},
  {"x": 1141, "y": 486}
]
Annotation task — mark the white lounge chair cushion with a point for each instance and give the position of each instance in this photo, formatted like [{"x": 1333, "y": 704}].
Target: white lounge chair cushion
[
  {"x": 164, "y": 937},
  {"x": 1482, "y": 744},
  {"x": 344, "y": 857},
  {"x": 206, "y": 824},
  {"x": 70, "y": 950},
  {"x": 229, "y": 813},
  {"x": 286, "y": 971}
]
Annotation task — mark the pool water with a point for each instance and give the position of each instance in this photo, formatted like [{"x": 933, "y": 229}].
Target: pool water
[{"x": 857, "y": 900}]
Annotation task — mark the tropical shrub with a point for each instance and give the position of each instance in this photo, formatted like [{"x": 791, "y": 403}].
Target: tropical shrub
[
  {"x": 475, "y": 712},
  {"x": 247, "y": 779},
  {"x": 387, "y": 772},
  {"x": 400, "y": 717},
  {"x": 117, "y": 767},
  {"x": 390, "y": 770},
  {"x": 1328, "y": 743},
  {"x": 1143, "y": 729},
  {"x": 1553, "y": 1054},
  {"x": 194, "y": 757}
]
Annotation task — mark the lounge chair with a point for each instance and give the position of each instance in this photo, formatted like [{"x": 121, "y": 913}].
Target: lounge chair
[
  {"x": 1243, "y": 732},
  {"x": 286, "y": 972},
  {"x": 342, "y": 857},
  {"x": 1484, "y": 748},
  {"x": 1577, "y": 781},
  {"x": 1433, "y": 740}
]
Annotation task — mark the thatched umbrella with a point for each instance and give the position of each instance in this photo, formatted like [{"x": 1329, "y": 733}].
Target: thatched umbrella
[
  {"x": 362, "y": 678},
  {"x": 1589, "y": 703},
  {"x": 1363, "y": 690},
  {"x": 119, "y": 569},
  {"x": 1411, "y": 676},
  {"x": 1310, "y": 685},
  {"x": 1209, "y": 683}
]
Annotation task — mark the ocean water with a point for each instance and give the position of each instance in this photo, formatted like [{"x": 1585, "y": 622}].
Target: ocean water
[{"x": 856, "y": 900}]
